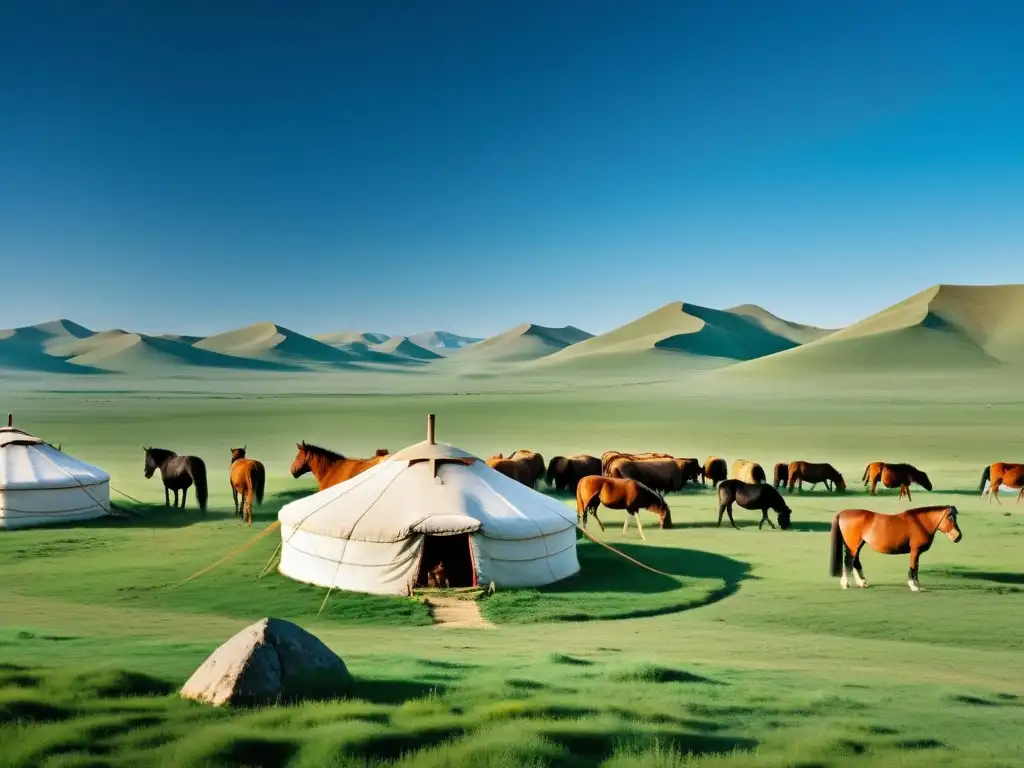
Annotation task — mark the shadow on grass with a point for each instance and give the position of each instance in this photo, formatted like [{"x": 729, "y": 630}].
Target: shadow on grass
[
  {"x": 999, "y": 577},
  {"x": 393, "y": 692}
]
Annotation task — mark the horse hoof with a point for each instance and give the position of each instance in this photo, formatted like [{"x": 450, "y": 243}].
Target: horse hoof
[{"x": 863, "y": 585}]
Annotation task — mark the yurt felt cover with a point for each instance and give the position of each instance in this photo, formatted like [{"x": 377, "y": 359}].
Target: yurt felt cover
[
  {"x": 367, "y": 534},
  {"x": 40, "y": 485}
]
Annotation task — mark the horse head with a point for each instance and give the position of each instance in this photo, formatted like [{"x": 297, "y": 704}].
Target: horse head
[
  {"x": 840, "y": 483},
  {"x": 237, "y": 453},
  {"x": 661, "y": 508},
  {"x": 301, "y": 464},
  {"x": 922, "y": 479},
  {"x": 149, "y": 467},
  {"x": 783, "y": 513},
  {"x": 949, "y": 526}
]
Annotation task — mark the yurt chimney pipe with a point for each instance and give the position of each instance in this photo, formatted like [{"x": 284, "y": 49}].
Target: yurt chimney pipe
[
  {"x": 430, "y": 428},
  {"x": 10, "y": 419}
]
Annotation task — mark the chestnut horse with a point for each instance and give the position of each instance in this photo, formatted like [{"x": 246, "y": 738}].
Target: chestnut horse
[
  {"x": 617, "y": 493},
  {"x": 518, "y": 469},
  {"x": 895, "y": 476},
  {"x": 564, "y": 472},
  {"x": 752, "y": 496},
  {"x": 178, "y": 473},
  {"x": 690, "y": 469},
  {"x": 801, "y": 472},
  {"x": 609, "y": 456},
  {"x": 330, "y": 468},
  {"x": 1001, "y": 473},
  {"x": 534, "y": 461},
  {"x": 715, "y": 470},
  {"x": 909, "y": 532},
  {"x": 748, "y": 471},
  {"x": 247, "y": 477},
  {"x": 781, "y": 474}
]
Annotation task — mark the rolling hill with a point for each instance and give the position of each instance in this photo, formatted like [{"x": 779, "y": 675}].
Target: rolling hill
[
  {"x": 275, "y": 343},
  {"x": 29, "y": 348},
  {"x": 946, "y": 327},
  {"x": 522, "y": 343},
  {"x": 342, "y": 339},
  {"x": 694, "y": 336},
  {"x": 403, "y": 347}
]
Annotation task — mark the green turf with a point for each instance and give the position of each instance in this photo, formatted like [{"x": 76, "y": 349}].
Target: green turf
[{"x": 754, "y": 656}]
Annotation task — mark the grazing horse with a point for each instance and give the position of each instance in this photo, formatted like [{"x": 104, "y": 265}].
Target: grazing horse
[
  {"x": 178, "y": 473},
  {"x": 247, "y": 477},
  {"x": 534, "y": 461},
  {"x": 565, "y": 472},
  {"x": 801, "y": 472},
  {"x": 690, "y": 469},
  {"x": 617, "y": 493},
  {"x": 909, "y": 532},
  {"x": 662, "y": 475},
  {"x": 752, "y": 496},
  {"x": 330, "y": 468},
  {"x": 895, "y": 476},
  {"x": 715, "y": 470},
  {"x": 781, "y": 474},
  {"x": 748, "y": 471},
  {"x": 609, "y": 456},
  {"x": 1001, "y": 473},
  {"x": 517, "y": 469}
]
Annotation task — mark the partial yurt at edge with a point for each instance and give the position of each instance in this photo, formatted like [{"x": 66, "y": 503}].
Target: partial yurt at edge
[
  {"x": 40, "y": 485},
  {"x": 384, "y": 529}
]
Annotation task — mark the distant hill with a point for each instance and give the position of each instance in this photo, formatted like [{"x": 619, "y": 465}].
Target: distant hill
[
  {"x": 698, "y": 336},
  {"x": 795, "y": 332},
  {"x": 402, "y": 346},
  {"x": 138, "y": 353},
  {"x": 344, "y": 338},
  {"x": 522, "y": 343},
  {"x": 442, "y": 342},
  {"x": 946, "y": 327},
  {"x": 179, "y": 337},
  {"x": 28, "y": 348},
  {"x": 274, "y": 343}
]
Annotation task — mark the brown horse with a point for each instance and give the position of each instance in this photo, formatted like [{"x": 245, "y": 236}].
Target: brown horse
[
  {"x": 517, "y": 469},
  {"x": 1001, "y": 473},
  {"x": 895, "y": 476},
  {"x": 748, "y": 471},
  {"x": 565, "y": 472},
  {"x": 909, "y": 532},
  {"x": 715, "y": 470},
  {"x": 781, "y": 475},
  {"x": 662, "y": 475},
  {"x": 178, "y": 473},
  {"x": 534, "y": 461},
  {"x": 617, "y": 493},
  {"x": 247, "y": 477},
  {"x": 801, "y": 472},
  {"x": 330, "y": 468},
  {"x": 609, "y": 456}
]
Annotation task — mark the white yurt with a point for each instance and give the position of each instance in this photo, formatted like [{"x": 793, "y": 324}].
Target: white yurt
[
  {"x": 383, "y": 530},
  {"x": 40, "y": 485}
]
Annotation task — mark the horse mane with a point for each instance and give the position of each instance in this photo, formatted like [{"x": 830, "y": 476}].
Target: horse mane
[
  {"x": 159, "y": 454},
  {"x": 325, "y": 453}
]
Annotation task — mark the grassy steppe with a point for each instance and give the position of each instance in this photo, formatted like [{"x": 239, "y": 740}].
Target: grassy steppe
[{"x": 754, "y": 657}]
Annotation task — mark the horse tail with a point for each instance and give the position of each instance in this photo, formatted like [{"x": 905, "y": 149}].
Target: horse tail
[
  {"x": 197, "y": 469},
  {"x": 258, "y": 479},
  {"x": 838, "y": 545},
  {"x": 865, "y": 477},
  {"x": 985, "y": 474}
]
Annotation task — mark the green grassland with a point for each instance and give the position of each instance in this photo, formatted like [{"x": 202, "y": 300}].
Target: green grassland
[{"x": 751, "y": 655}]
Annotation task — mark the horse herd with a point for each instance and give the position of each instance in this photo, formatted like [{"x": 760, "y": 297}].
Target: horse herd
[{"x": 635, "y": 481}]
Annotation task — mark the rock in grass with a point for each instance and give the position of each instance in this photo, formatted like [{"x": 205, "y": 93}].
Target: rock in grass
[{"x": 268, "y": 662}]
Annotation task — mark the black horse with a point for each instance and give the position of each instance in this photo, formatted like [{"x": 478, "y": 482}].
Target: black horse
[
  {"x": 752, "y": 496},
  {"x": 178, "y": 474}
]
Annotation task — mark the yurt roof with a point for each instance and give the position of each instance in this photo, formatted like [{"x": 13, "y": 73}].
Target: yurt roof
[
  {"x": 28, "y": 462},
  {"x": 428, "y": 488}
]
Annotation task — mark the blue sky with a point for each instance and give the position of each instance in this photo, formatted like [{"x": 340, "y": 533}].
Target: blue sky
[{"x": 400, "y": 166}]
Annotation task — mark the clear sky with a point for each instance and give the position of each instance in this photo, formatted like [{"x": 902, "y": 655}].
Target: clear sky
[{"x": 403, "y": 165}]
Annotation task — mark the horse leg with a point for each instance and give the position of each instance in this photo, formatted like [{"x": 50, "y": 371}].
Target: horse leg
[
  {"x": 594, "y": 513},
  {"x": 167, "y": 497},
  {"x": 721, "y": 513},
  {"x": 234, "y": 498},
  {"x": 766, "y": 519},
  {"x": 858, "y": 569},
  {"x": 874, "y": 484},
  {"x": 1020, "y": 494},
  {"x": 175, "y": 498},
  {"x": 844, "y": 582},
  {"x": 731, "y": 521},
  {"x": 625, "y": 523},
  {"x": 907, "y": 489},
  {"x": 915, "y": 556},
  {"x": 184, "y": 495}
]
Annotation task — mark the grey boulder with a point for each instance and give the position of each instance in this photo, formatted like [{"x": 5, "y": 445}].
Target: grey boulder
[{"x": 268, "y": 662}]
